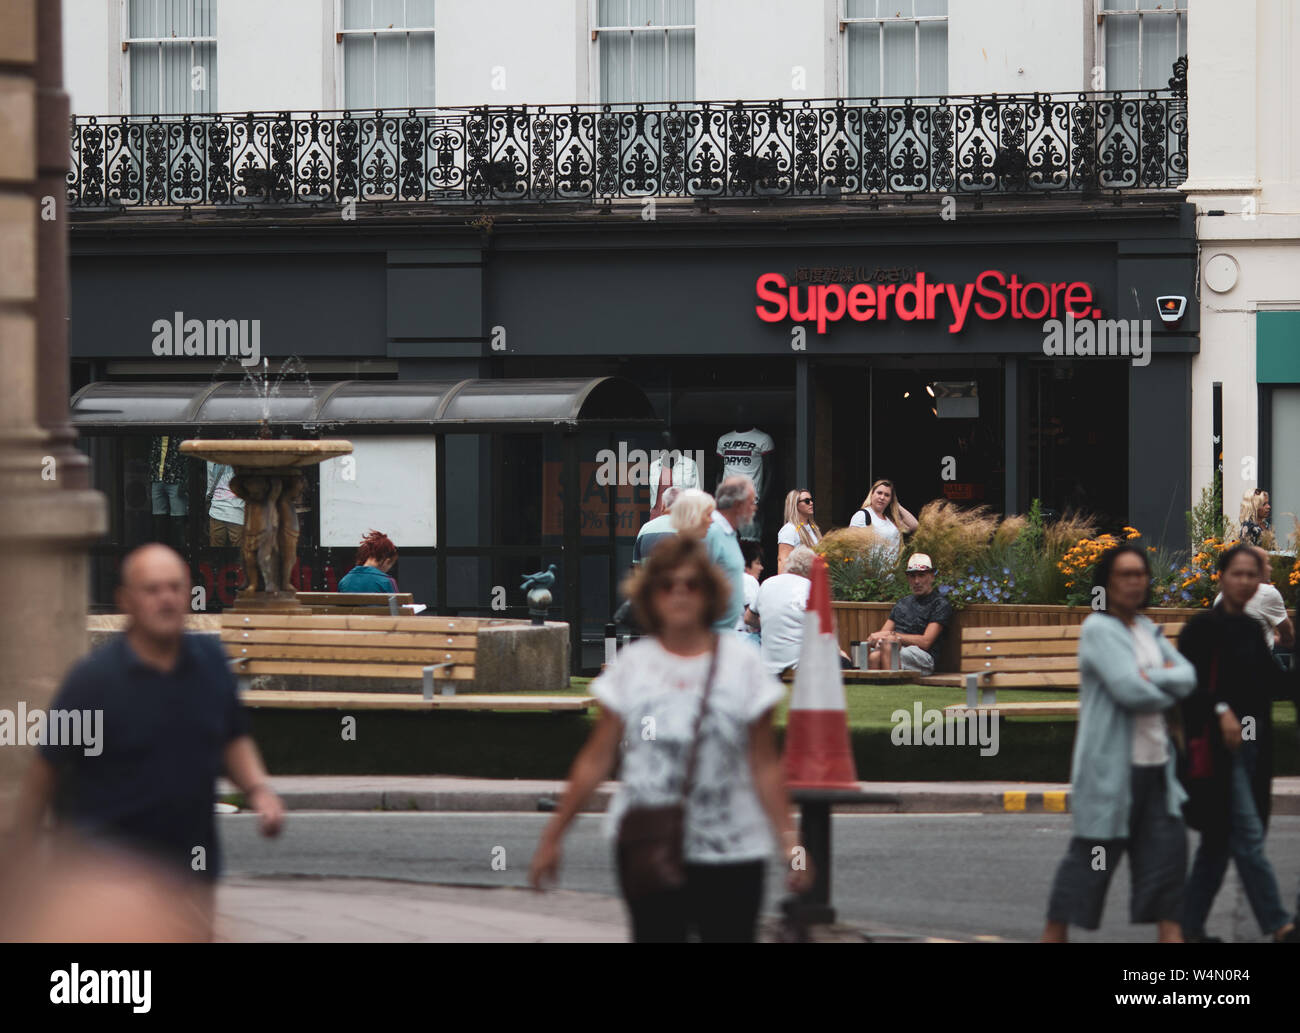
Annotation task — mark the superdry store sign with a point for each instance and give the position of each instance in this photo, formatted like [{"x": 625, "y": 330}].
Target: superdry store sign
[{"x": 992, "y": 295}]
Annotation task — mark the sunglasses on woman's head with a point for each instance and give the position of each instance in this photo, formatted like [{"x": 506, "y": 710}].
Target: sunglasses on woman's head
[{"x": 807, "y": 501}]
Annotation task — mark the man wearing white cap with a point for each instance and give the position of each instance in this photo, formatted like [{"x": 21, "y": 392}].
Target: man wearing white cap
[{"x": 917, "y": 622}]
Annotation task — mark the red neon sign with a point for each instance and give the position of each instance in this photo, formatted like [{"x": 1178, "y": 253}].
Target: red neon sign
[{"x": 993, "y": 295}]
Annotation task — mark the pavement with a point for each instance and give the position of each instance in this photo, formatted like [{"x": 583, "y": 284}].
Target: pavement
[
  {"x": 307, "y": 910},
  {"x": 294, "y": 909},
  {"x": 452, "y": 793}
]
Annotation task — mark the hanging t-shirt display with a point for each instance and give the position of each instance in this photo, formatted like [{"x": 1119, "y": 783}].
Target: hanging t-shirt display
[
  {"x": 743, "y": 452},
  {"x": 683, "y": 473}
]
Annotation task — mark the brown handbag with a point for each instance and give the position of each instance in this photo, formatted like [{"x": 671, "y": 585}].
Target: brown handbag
[{"x": 650, "y": 839}]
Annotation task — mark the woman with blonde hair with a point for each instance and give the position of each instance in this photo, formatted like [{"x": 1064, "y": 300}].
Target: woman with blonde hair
[
  {"x": 799, "y": 528},
  {"x": 884, "y": 514},
  {"x": 1255, "y": 509},
  {"x": 692, "y": 512}
]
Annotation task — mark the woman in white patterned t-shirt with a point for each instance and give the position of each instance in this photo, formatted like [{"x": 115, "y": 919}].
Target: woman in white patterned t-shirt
[{"x": 651, "y": 696}]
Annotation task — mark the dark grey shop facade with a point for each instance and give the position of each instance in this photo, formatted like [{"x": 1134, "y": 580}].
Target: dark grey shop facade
[{"x": 668, "y": 309}]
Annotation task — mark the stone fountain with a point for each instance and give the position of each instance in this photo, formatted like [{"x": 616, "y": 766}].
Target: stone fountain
[{"x": 268, "y": 476}]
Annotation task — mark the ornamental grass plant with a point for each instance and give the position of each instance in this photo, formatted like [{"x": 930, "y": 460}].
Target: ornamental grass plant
[
  {"x": 862, "y": 566},
  {"x": 954, "y": 538},
  {"x": 1028, "y": 559}
]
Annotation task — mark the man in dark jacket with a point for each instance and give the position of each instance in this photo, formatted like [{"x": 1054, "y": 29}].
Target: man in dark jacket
[
  {"x": 1227, "y": 766},
  {"x": 168, "y": 721}
]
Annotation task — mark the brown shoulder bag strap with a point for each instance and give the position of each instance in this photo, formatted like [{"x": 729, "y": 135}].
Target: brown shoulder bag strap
[{"x": 699, "y": 719}]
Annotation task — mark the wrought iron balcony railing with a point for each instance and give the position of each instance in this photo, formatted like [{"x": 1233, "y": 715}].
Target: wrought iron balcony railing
[{"x": 1081, "y": 144}]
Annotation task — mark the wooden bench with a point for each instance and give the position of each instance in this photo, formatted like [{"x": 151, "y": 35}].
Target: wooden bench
[
  {"x": 1038, "y": 656},
  {"x": 341, "y": 604},
  {"x": 1045, "y": 708},
  {"x": 435, "y": 652},
  {"x": 854, "y": 676}
]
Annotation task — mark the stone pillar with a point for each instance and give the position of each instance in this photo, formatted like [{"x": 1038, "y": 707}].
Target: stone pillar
[{"x": 48, "y": 515}]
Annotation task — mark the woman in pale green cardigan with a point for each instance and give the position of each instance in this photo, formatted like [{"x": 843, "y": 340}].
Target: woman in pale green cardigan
[{"x": 1124, "y": 792}]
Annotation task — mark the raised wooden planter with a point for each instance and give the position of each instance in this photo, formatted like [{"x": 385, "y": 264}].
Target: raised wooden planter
[{"x": 855, "y": 621}]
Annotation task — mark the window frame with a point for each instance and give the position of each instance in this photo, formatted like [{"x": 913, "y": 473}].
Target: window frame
[
  {"x": 844, "y": 21},
  {"x": 341, "y": 34},
  {"x": 127, "y": 101},
  {"x": 593, "y": 13},
  {"x": 1102, "y": 11}
]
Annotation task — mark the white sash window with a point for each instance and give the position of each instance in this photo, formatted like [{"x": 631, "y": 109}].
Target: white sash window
[
  {"x": 388, "y": 54},
  {"x": 894, "y": 48},
  {"x": 645, "y": 50},
  {"x": 1140, "y": 40},
  {"x": 171, "y": 52}
]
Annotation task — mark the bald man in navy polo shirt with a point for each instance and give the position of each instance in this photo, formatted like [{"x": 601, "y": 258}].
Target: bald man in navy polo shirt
[{"x": 172, "y": 723}]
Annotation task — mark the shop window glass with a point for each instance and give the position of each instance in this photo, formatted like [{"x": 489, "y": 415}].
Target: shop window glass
[{"x": 1284, "y": 490}]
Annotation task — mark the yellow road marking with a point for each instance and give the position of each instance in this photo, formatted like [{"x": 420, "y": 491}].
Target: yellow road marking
[{"x": 1013, "y": 801}]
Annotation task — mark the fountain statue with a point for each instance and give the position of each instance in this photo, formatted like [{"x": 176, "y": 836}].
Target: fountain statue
[{"x": 268, "y": 477}]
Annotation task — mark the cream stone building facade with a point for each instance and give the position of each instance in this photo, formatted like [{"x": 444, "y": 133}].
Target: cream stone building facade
[{"x": 1244, "y": 179}]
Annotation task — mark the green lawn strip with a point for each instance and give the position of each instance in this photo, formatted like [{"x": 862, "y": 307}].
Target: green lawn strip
[{"x": 503, "y": 744}]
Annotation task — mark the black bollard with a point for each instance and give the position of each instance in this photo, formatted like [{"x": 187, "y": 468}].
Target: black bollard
[
  {"x": 815, "y": 831},
  {"x": 815, "y": 805}
]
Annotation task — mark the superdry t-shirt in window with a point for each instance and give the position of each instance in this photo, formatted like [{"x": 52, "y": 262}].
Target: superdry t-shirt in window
[{"x": 743, "y": 452}]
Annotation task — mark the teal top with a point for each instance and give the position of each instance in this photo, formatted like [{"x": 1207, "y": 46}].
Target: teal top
[
  {"x": 1112, "y": 692},
  {"x": 724, "y": 550},
  {"x": 366, "y": 579}
]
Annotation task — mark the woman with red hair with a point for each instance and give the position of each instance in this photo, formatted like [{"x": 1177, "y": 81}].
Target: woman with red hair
[{"x": 375, "y": 558}]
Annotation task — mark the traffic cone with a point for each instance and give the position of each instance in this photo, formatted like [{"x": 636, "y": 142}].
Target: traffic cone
[{"x": 817, "y": 753}]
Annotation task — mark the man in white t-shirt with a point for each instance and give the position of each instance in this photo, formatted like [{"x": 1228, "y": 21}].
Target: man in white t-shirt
[
  {"x": 742, "y": 452},
  {"x": 1267, "y": 606},
  {"x": 779, "y": 611}
]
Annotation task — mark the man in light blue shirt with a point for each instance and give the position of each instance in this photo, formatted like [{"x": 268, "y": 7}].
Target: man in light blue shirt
[
  {"x": 654, "y": 531},
  {"x": 736, "y": 500}
]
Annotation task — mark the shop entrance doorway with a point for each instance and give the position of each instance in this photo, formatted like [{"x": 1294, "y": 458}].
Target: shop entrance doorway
[{"x": 934, "y": 431}]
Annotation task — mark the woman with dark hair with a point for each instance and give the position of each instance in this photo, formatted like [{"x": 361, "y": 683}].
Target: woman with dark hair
[
  {"x": 1228, "y": 768},
  {"x": 375, "y": 558},
  {"x": 1124, "y": 793},
  {"x": 693, "y": 711}
]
